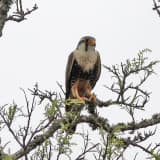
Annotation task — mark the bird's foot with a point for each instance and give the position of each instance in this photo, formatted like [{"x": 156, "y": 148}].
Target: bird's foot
[
  {"x": 92, "y": 98},
  {"x": 83, "y": 99}
]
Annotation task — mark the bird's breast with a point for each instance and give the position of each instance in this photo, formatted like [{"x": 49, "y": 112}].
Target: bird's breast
[{"x": 86, "y": 60}]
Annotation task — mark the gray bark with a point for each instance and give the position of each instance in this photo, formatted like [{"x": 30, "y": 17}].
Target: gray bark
[{"x": 4, "y": 8}]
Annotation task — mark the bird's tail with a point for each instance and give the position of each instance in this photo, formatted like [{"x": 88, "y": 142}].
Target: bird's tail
[{"x": 70, "y": 114}]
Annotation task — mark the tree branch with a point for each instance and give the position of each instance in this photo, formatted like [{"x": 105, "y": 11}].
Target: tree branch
[
  {"x": 99, "y": 122},
  {"x": 156, "y": 7},
  {"x": 20, "y": 15},
  {"x": 155, "y": 119},
  {"x": 56, "y": 122},
  {"x": 4, "y": 8},
  {"x": 17, "y": 16}
]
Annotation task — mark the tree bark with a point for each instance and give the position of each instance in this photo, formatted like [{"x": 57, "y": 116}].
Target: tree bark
[{"x": 4, "y": 8}]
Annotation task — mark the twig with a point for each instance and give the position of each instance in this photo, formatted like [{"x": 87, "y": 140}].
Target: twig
[
  {"x": 156, "y": 7},
  {"x": 60, "y": 86},
  {"x": 20, "y": 14}
]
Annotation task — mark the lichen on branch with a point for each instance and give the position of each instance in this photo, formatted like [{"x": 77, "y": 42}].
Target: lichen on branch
[{"x": 52, "y": 136}]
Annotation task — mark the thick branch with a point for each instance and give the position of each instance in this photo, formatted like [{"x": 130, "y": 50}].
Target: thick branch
[
  {"x": 99, "y": 122},
  {"x": 21, "y": 15},
  {"x": 64, "y": 122},
  {"x": 4, "y": 8},
  {"x": 38, "y": 140},
  {"x": 17, "y": 16},
  {"x": 155, "y": 119}
]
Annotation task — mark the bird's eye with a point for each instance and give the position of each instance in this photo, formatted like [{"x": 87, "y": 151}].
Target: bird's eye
[{"x": 82, "y": 41}]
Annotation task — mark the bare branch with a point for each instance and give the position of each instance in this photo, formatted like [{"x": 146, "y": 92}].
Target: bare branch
[
  {"x": 156, "y": 7},
  {"x": 130, "y": 95},
  {"x": 4, "y": 8},
  {"x": 20, "y": 14},
  {"x": 85, "y": 148},
  {"x": 17, "y": 16}
]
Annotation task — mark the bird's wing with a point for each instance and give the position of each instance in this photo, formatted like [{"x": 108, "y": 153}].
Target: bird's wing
[
  {"x": 97, "y": 70},
  {"x": 68, "y": 73}
]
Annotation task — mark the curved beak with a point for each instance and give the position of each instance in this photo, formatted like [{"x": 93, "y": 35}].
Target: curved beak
[{"x": 92, "y": 42}]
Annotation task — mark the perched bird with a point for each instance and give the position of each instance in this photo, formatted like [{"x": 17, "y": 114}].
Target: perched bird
[{"x": 82, "y": 71}]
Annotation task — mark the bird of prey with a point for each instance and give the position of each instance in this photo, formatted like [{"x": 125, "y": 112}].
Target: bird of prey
[{"x": 82, "y": 71}]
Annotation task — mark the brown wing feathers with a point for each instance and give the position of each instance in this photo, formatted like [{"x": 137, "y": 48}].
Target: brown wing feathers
[
  {"x": 97, "y": 69},
  {"x": 68, "y": 74},
  {"x": 71, "y": 61}
]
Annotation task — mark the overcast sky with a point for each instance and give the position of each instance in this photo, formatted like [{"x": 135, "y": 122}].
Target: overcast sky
[{"x": 36, "y": 49}]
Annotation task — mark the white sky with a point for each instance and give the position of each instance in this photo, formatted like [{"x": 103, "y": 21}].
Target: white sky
[{"x": 36, "y": 50}]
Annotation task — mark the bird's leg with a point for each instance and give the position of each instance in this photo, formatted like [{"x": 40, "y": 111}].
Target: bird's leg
[
  {"x": 75, "y": 93},
  {"x": 92, "y": 96},
  {"x": 73, "y": 88}
]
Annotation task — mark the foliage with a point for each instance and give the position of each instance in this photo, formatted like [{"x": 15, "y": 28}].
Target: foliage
[{"x": 51, "y": 136}]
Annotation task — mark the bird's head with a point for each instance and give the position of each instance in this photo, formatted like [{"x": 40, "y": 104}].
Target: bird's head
[{"x": 87, "y": 43}]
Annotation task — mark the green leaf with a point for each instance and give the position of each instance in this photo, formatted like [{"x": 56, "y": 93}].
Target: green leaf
[
  {"x": 7, "y": 157},
  {"x": 74, "y": 101}
]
